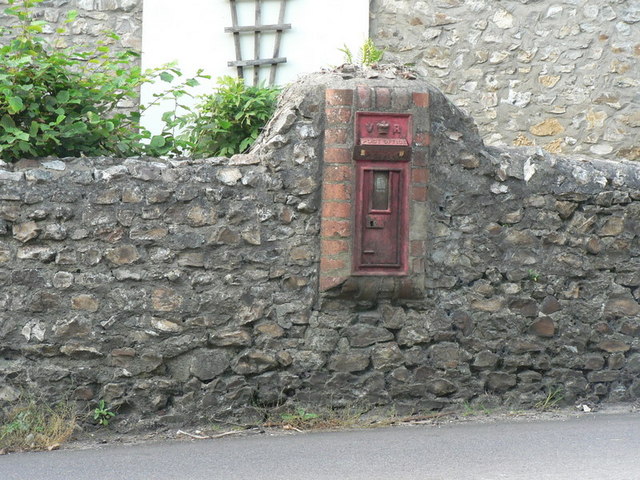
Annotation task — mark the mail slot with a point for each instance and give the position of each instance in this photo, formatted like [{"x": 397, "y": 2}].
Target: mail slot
[{"x": 382, "y": 152}]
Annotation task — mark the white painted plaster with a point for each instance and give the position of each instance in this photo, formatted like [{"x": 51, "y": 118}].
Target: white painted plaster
[{"x": 191, "y": 33}]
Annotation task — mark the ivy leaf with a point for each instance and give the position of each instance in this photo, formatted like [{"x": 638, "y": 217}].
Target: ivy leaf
[
  {"x": 63, "y": 96},
  {"x": 7, "y": 122},
  {"x": 15, "y": 105},
  {"x": 157, "y": 141},
  {"x": 166, "y": 77}
]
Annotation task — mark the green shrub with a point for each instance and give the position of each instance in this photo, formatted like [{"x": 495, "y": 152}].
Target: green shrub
[
  {"x": 65, "y": 101},
  {"x": 229, "y": 120}
]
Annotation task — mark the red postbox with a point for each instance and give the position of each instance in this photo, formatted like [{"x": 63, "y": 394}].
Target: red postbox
[{"x": 382, "y": 153}]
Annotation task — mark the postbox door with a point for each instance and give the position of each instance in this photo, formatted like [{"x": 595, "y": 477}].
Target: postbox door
[{"x": 380, "y": 219}]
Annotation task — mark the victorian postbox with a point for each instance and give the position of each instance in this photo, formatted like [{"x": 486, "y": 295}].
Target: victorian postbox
[{"x": 382, "y": 154}]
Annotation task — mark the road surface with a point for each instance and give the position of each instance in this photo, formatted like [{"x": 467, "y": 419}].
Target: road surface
[{"x": 584, "y": 447}]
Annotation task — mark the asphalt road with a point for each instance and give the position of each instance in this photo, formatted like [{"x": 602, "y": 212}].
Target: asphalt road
[{"x": 589, "y": 446}]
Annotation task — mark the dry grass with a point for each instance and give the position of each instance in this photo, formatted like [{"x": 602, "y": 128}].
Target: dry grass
[
  {"x": 36, "y": 425},
  {"x": 314, "y": 418}
]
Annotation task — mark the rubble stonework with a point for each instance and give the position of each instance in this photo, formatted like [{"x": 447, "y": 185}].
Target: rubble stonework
[
  {"x": 94, "y": 18},
  {"x": 560, "y": 74},
  {"x": 179, "y": 290}
]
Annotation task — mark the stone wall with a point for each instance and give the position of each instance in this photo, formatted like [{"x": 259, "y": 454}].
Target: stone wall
[
  {"x": 95, "y": 17},
  {"x": 182, "y": 290},
  {"x": 532, "y": 285},
  {"x": 160, "y": 285},
  {"x": 561, "y": 74}
]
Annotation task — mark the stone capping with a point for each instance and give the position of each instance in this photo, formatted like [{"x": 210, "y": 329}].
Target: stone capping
[{"x": 338, "y": 180}]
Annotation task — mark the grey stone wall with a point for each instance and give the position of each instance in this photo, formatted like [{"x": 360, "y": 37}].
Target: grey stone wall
[
  {"x": 160, "y": 286},
  {"x": 532, "y": 273},
  {"x": 95, "y": 17},
  {"x": 561, "y": 74},
  {"x": 182, "y": 290}
]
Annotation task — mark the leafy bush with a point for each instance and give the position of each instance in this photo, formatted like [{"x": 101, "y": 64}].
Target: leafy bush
[
  {"x": 229, "y": 121},
  {"x": 65, "y": 101}
]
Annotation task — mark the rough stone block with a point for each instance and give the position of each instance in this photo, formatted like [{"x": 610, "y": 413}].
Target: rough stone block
[
  {"x": 23, "y": 232},
  {"x": 349, "y": 362},
  {"x": 500, "y": 381},
  {"x": 253, "y": 362},
  {"x": 365, "y": 335}
]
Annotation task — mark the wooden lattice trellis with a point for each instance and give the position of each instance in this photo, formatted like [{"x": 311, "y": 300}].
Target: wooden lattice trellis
[{"x": 257, "y": 31}]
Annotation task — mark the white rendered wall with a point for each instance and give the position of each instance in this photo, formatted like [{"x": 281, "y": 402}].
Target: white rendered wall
[{"x": 191, "y": 33}]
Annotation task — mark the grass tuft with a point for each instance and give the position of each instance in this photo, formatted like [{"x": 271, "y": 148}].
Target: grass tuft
[
  {"x": 552, "y": 400},
  {"x": 34, "y": 424},
  {"x": 314, "y": 418}
]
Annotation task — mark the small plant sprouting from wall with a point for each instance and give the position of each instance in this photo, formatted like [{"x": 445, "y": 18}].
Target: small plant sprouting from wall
[
  {"x": 553, "y": 399},
  {"x": 103, "y": 414},
  {"x": 367, "y": 56}
]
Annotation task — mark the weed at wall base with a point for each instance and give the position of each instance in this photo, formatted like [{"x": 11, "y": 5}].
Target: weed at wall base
[{"x": 35, "y": 424}]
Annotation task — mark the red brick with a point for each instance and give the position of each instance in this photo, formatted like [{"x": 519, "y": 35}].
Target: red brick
[
  {"x": 419, "y": 157},
  {"x": 338, "y": 115},
  {"x": 422, "y": 139},
  {"x": 335, "y": 136},
  {"x": 339, "y": 97},
  {"x": 333, "y": 247},
  {"x": 332, "y": 264},
  {"x": 419, "y": 175},
  {"x": 335, "y": 228},
  {"x": 336, "y": 210},
  {"x": 337, "y": 155},
  {"x": 419, "y": 194},
  {"x": 418, "y": 248},
  {"x": 364, "y": 97},
  {"x": 336, "y": 191},
  {"x": 327, "y": 283},
  {"x": 421, "y": 99},
  {"x": 337, "y": 173},
  {"x": 383, "y": 97}
]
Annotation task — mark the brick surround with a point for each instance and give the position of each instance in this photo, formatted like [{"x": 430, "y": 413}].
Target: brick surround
[{"x": 338, "y": 192}]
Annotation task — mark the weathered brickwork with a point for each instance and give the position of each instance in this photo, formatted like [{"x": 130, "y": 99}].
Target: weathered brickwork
[
  {"x": 180, "y": 290},
  {"x": 560, "y": 74},
  {"x": 339, "y": 182}
]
